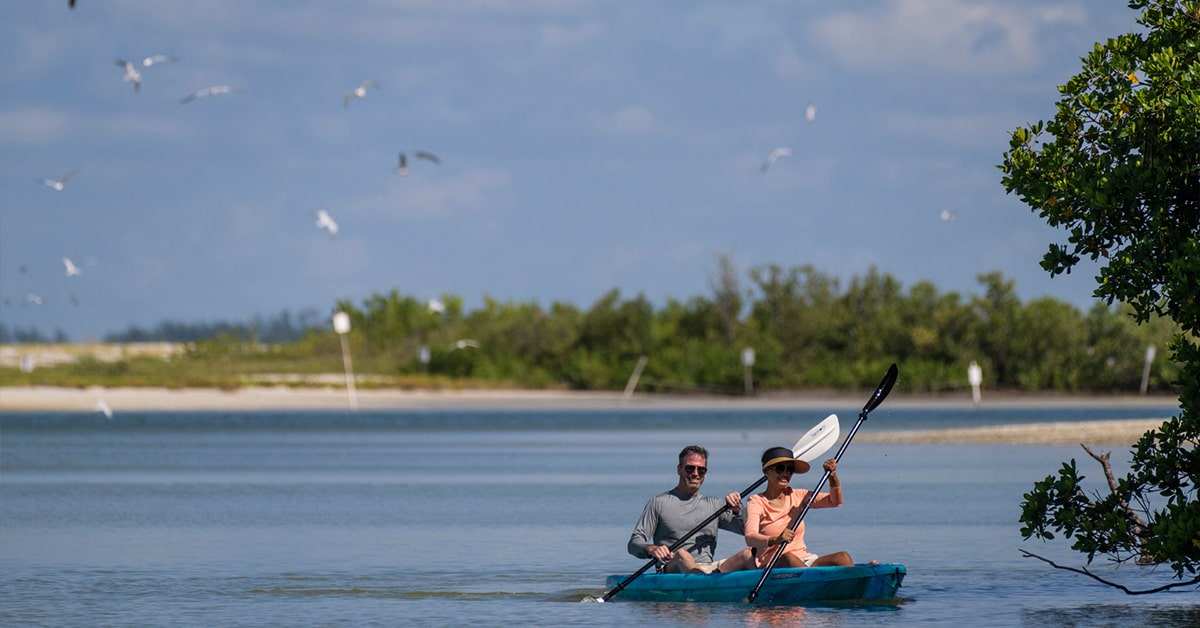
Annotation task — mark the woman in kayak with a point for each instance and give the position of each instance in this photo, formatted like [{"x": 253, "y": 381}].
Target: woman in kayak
[{"x": 770, "y": 513}]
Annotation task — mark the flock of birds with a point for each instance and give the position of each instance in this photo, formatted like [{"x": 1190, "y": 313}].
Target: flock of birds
[
  {"x": 133, "y": 72},
  {"x": 810, "y": 114}
]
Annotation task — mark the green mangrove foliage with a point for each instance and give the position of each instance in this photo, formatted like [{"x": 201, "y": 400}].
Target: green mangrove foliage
[{"x": 1118, "y": 169}]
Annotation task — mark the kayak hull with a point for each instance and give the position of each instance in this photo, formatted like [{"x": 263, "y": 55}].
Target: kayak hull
[{"x": 784, "y": 586}]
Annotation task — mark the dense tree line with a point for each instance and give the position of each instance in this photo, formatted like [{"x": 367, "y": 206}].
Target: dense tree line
[
  {"x": 280, "y": 328},
  {"x": 806, "y": 330},
  {"x": 29, "y": 335}
]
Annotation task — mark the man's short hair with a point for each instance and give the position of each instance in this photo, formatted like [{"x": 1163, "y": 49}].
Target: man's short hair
[{"x": 693, "y": 449}]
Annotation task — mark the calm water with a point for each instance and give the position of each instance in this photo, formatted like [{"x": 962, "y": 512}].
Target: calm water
[{"x": 466, "y": 517}]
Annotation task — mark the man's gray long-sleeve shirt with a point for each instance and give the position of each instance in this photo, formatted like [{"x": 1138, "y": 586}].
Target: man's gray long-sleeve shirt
[{"x": 670, "y": 515}]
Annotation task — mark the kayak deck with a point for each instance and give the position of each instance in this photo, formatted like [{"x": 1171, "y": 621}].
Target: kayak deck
[{"x": 784, "y": 586}]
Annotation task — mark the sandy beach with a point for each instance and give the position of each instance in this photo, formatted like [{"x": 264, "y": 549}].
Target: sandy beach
[{"x": 1101, "y": 433}]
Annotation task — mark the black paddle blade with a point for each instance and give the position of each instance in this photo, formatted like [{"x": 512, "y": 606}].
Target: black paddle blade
[{"x": 881, "y": 393}]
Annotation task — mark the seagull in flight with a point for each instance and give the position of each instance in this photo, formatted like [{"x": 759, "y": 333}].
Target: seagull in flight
[
  {"x": 325, "y": 221},
  {"x": 436, "y": 306},
  {"x": 810, "y": 113},
  {"x": 463, "y": 344},
  {"x": 60, "y": 184},
  {"x": 209, "y": 91},
  {"x": 782, "y": 151},
  {"x": 103, "y": 408},
  {"x": 72, "y": 269},
  {"x": 131, "y": 74},
  {"x": 152, "y": 59},
  {"x": 358, "y": 92},
  {"x": 402, "y": 168},
  {"x": 34, "y": 299},
  {"x": 429, "y": 156},
  {"x": 948, "y": 215}
]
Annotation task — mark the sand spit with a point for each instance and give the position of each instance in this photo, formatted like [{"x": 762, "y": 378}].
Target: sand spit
[{"x": 1099, "y": 433}]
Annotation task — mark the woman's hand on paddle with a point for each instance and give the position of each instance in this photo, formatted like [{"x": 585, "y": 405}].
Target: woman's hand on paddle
[
  {"x": 785, "y": 537},
  {"x": 733, "y": 501},
  {"x": 831, "y": 466}
]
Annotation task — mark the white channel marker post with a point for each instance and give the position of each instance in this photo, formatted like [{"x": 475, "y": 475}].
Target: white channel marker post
[
  {"x": 975, "y": 377},
  {"x": 341, "y": 324}
]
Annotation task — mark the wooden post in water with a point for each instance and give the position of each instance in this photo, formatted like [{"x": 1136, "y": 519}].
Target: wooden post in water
[
  {"x": 747, "y": 366},
  {"x": 1146, "y": 369},
  {"x": 633, "y": 378}
]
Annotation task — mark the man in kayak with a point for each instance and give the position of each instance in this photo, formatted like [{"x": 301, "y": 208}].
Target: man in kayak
[
  {"x": 670, "y": 515},
  {"x": 770, "y": 513}
]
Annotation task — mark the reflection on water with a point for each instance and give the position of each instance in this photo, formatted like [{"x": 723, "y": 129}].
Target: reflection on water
[{"x": 1181, "y": 608}]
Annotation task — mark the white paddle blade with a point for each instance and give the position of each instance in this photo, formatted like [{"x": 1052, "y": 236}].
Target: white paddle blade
[{"x": 818, "y": 440}]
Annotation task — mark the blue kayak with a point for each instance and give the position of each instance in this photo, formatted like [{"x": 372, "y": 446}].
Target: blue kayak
[{"x": 784, "y": 586}]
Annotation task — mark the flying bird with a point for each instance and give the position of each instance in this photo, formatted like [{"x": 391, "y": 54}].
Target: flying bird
[
  {"x": 103, "y": 408},
  {"x": 151, "y": 60},
  {"x": 209, "y": 91},
  {"x": 131, "y": 74},
  {"x": 776, "y": 154},
  {"x": 401, "y": 168},
  {"x": 436, "y": 306},
  {"x": 34, "y": 299},
  {"x": 72, "y": 269},
  {"x": 325, "y": 221},
  {"x": 948, "y": 215},
  {"x": 60, "y": 184},
  {"x": 810, "y": 113},
  {"x": 358, "y": 92},
  {"x": 429, "y": 156},
  {"x": 463, "y": 344}
]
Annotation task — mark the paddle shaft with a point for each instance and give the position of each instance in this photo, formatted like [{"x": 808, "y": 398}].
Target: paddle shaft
[
  {"x": 882, "y": 391},
  {"x": 677, "y": 544}
]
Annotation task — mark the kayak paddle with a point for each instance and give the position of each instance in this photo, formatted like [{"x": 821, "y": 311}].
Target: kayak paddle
[
  {"x": 815, "y": 442},
  {"x": 885, "y": 387}
]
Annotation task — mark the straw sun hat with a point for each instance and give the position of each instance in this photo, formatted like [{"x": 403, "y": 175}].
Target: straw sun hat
[{"x": 777, "y": 455}]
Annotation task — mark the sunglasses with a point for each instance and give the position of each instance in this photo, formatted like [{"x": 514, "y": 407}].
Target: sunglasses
[
  {"x": 691, "y": 468},
  {"x": 782, "y": 468}
]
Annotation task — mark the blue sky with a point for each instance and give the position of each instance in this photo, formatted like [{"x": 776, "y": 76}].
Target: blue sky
[{"x": 584, "y": 146}]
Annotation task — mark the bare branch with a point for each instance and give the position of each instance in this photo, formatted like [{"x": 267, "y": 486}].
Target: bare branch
[
  {"x": 1103, "y": 460},
  {"x": 1127, "y": 590}
]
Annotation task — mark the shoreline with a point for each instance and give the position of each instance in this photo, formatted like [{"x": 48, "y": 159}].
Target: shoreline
[{"x": 1123, "y": 432}]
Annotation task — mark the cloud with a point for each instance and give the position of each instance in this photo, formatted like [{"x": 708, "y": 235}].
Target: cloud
[
  {"x": 964, "y": 130},
  {"x": 788, "y": 64},
  {"x": 414, "y": 197},
  {"x": 957, "y": 36},
  {"x": 628, "y": 120},
  {"x": 33, "y": 126},
  {"x": 139, "y": 127},
  {"x": 558, "y": 37}
]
